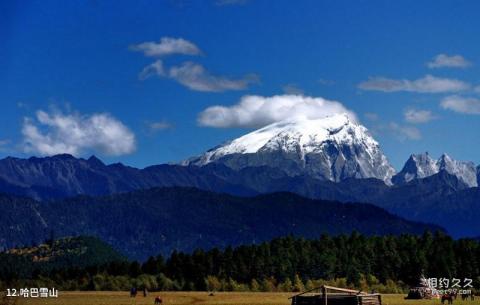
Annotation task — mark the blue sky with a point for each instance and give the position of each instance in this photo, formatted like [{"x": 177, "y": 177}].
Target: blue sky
[{"x": 71, "y": 73}]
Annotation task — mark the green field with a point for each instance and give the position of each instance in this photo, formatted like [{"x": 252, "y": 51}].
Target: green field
[{"x": 196, "y": 298}]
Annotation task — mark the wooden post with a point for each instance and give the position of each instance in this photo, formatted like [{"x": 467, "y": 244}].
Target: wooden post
[{"x": 324, "y": 292}]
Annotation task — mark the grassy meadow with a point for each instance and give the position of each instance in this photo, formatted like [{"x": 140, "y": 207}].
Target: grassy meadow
[{"x": 195, "y": 298}]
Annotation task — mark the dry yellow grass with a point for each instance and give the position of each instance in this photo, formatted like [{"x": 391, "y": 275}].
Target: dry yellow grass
[{"x": 198, "y": 298}]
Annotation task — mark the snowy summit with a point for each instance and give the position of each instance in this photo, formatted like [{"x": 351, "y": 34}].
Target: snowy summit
[
  {"x": 420, "y": 166},
  {"x": 332, "y": 148}
]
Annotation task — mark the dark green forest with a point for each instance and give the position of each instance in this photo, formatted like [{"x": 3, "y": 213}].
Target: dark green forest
[{"x": 384, "y": 263}]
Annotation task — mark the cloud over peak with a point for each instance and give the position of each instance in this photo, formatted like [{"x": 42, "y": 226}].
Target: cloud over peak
[
  {"x": 256, "y": 111},
  {"x": 427, "y": 84},
  {"x": 73, "y": 133},
  {"x": 445, "y": 61},
  {"x": 167, "y": 46}
]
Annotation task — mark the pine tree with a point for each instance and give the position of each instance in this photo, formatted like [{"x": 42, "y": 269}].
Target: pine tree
[{"x": 298, "y": 284}]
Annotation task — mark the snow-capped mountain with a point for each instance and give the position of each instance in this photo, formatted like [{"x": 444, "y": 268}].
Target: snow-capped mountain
[
  {"x": 422, "y": 165},
  {"x": 332, "y": 148},
  {"x": 417, "y": 166}
]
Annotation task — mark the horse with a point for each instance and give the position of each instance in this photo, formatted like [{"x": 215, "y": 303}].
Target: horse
[
  {"x": 447, "y": 297},
  {"x": 454, "y": 294},
  {"x": 466, "y": 295},
  {"x": 158, "y": 300}
]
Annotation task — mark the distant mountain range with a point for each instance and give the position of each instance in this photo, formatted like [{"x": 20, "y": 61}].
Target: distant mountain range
[
  {"x": 422, "y": 165},
  {"x": 334, "y": 149},
  {"x": 331, "y": 159},
  {"x": 159, "y": 220}
]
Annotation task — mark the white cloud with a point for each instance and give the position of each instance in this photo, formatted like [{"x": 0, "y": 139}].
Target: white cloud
[
  {"x": 258, "y": 111},
  {"x": 160, "y": 125},
  {"x": 416, "y": 116},
  {"x": 74, "y": 133},
  {"x": 292, "y": 89},
  {"x": 445, "y": 61},
  {"x": 196, "y": 77},
  {"x": 467, "y": 105},
  {"x": 192, "y": 75},
  {"x": 427, "y": 84},
  {"x": 404, "y": 132},
  {"x": 167, "y": 46},
  {"x": 155, "y": 68}
]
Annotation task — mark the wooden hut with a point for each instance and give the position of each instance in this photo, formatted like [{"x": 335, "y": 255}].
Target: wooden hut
[{"x": 328, "y": 295}]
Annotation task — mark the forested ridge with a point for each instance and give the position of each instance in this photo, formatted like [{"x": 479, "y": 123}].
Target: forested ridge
[
  {"x": 385, "y": 263},
  {"x": 160, "y": 220}
]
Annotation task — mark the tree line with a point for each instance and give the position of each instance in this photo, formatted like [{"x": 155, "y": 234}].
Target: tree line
[{"x": 384, "y": 263}]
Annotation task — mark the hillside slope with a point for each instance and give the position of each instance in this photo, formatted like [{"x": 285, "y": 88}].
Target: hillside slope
[{"x": 148, "y": 222}]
